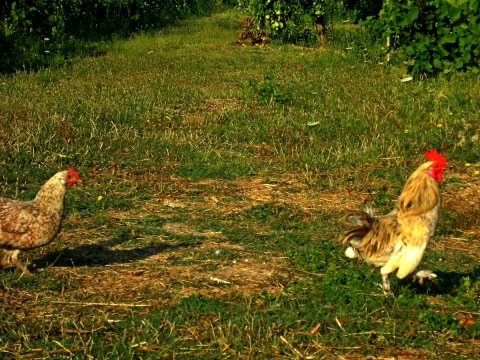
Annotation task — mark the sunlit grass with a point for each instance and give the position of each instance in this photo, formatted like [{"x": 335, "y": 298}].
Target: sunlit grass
[{"x": 204, "y": 159}]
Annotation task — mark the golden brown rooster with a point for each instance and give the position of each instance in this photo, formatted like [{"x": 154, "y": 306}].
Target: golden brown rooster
[
  {"x": 30, "y": 224},
  {"x": 398, "y": 239}
]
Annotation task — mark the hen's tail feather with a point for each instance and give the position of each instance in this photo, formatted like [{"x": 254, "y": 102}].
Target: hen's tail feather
[{"x": 362, "y": 223}]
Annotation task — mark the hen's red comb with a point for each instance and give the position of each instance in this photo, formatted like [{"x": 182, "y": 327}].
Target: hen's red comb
[
  {"x": 72, "y": 171},
  {"x": 435, "y": 156}
]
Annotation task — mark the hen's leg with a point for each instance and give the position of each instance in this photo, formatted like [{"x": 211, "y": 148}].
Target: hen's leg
[
  {"x": 386, "y": 270},
  {"x": 10, "y": 258},
  {"x": 19, "y": 264}
]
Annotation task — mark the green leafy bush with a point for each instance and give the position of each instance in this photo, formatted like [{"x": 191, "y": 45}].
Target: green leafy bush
[
  {"x": 433, "y": 35},
  {"x": 297, "y": 21}
]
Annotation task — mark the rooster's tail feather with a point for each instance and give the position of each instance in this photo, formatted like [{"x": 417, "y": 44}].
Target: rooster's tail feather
[{"x": 362, "y": 224}]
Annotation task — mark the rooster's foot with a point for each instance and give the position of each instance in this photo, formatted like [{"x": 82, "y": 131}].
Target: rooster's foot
[
  {"x": 386, "y": 285},
  {"x": 423, "y": 276},
  {"x": 386, "y": 292}
]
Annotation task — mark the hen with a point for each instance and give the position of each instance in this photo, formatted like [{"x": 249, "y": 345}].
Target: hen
[
  {"x": 398, "y": 239},
  {"x": 30, "y": 224}
]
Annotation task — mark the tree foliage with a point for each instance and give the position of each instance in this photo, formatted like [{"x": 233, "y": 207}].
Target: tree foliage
[{"x": 433, "y": 35}]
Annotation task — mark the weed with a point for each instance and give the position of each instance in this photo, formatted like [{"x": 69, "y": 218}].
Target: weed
[{"x": 268, "y": 91}]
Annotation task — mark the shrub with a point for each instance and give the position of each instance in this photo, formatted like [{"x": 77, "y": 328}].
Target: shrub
[
  {"x": 296, "y": 21},
  {"x": 433, "y": 35}
]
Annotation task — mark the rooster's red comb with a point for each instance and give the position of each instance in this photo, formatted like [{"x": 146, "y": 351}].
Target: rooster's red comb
[
  {"x": 72, "y": 171},
  {"x": 435, "y": 156}
]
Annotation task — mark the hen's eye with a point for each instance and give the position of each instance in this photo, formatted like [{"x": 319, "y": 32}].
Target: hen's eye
[{"x": 69, "y": 176}]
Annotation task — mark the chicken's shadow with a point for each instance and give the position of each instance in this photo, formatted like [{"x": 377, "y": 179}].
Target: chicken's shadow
[
  {"x": 101, "y": 254},
  {"x": 447, "y": 282}
]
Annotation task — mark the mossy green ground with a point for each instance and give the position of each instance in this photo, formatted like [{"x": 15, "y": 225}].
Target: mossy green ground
[{"x": 216, "y": 178}]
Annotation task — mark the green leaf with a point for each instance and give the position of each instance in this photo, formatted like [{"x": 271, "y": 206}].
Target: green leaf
[
  {"x": 410, "y": 50},
  {"x": 454, "y": 15},
  {"x": 448, "y": 39},
  {"x": 409, "y": 19},
  {"x": 459, "y": 64},
  {"x": 457, "y": 3}
]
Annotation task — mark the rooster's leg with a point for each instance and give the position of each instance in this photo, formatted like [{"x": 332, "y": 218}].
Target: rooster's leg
[{"x": 386, "y": 285}]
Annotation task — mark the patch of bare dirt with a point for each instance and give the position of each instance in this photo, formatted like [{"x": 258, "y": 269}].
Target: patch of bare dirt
[
  {"x": 180, "y": 229},
  {"x": 204, "y": 271},
  {"x": 238, "y": 195},
  {"x": 464, "y": 199},
  {"x": 213, "y": 105}
]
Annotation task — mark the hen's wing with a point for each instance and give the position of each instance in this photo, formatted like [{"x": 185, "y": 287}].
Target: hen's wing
[{"x": 17, "y": 217}]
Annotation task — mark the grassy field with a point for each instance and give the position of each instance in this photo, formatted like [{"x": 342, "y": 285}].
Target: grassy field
[{"x": 216, "y": 178}]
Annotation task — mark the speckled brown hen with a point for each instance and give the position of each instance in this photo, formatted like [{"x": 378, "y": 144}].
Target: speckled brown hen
[
  {"x": 27, "y": 225},
  {"x": 397, "y": 241}
]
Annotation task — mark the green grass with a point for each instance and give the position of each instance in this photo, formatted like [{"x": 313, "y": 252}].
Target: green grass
[{"x": 224, "y": 174}]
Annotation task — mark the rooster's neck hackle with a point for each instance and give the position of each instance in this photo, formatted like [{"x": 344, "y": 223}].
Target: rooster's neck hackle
[{"x": 420, "y": 194}]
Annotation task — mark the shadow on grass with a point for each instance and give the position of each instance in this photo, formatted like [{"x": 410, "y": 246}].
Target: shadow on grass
[
  {"x": 447, "y": 282},
  {"x": 101, "y": 254}
]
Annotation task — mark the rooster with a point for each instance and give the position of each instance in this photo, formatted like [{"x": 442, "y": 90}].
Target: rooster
[
  {"x": 30, "y": 224},
  {"x": 397, "y": 241}
]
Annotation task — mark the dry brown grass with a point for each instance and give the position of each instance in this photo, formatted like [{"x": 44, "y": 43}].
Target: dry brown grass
[
  {"x": 229, "y": 197},
  {"x": 203, "y": 273}
]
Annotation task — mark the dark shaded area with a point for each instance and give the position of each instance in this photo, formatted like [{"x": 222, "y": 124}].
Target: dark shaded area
[
  {"x": 101, "y": 254},
  {"x": 361, "y": 9},
  {"x": 447, "y": 282},
  {"x": 43, "y": 33}
]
